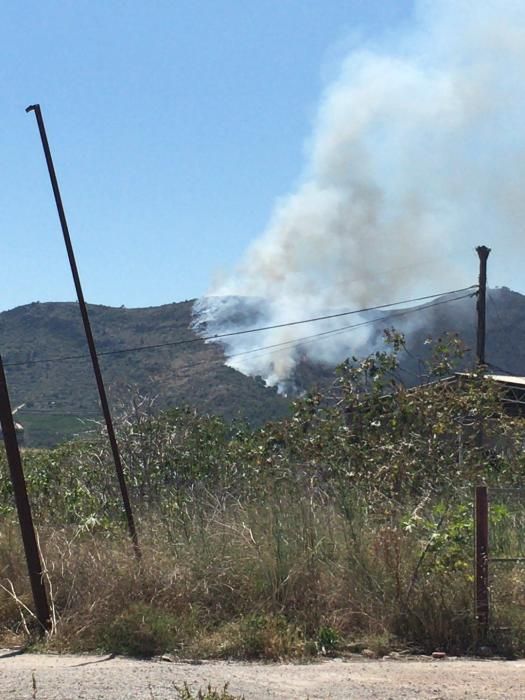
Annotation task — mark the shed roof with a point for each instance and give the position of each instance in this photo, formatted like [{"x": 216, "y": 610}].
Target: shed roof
[{"x": 507, "y": 379}]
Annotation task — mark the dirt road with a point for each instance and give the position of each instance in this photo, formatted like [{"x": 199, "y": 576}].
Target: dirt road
[{"x": 105, "y": 678}]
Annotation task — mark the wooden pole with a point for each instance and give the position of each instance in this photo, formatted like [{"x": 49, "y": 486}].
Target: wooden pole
[
  {"x": 483, "y": 253},
  {"x": 34, "y": 564}
]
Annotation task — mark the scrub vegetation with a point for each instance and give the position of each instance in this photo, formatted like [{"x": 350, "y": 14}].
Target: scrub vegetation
[
  {"x": 60, "y": 398},
  {"x": 347, "y": 526}
]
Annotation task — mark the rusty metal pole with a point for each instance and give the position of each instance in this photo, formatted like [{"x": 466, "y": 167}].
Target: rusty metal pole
[
  {"x": 34, "y": 564},
  {"x": 483, "y": 253},
  {"x": 482, "y": 558},
  {"x": 89, "y": 334}
]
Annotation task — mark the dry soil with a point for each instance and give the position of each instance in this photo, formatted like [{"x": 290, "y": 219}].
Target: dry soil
[{"x": 64, "y": 677}]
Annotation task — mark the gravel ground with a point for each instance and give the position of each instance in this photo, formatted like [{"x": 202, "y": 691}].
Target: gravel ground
[{"x": 67, "y": 677}]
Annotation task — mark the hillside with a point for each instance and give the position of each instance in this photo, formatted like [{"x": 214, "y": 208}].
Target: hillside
[
  {"x": 61, "y": 399},
  {"x": 505, "y": 332}
]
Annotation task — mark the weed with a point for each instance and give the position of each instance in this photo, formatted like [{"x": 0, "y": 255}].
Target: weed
[
  {"x": 327, "y": 639},
  {"x": 253, "y": 637},
  {"x": 380, "y": 644},
  {"x": 352, "y": 520},
  {"x": 140, "y": 631}
]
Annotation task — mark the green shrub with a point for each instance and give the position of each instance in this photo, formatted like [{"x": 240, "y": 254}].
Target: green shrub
[
  {"x": 327, "y": 639},
  {"x": 141, "y": 631},
  {"x": 255, "y": 636},
  {"x": 350, "y": 521}
]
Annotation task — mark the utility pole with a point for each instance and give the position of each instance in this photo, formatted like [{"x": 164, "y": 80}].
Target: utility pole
[
  {"x": 34, "y": 564},
  {"x": 483, "y": 253},
  {"x": 87, "y": 329}
]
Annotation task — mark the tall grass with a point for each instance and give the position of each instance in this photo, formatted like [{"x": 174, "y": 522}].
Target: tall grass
[
  {"x": 226, "y": 578},
  {"x": 347, "y": 526}
]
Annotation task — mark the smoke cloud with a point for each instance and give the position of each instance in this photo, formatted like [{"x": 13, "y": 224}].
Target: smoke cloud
[{"x": 418, "y": 149}]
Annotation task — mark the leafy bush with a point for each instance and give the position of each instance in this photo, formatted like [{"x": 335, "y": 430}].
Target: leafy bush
[
  {"x": 140, "y": 631},
  {"x": 328, "y": 639},
  {"x": 350, "y": 520}
]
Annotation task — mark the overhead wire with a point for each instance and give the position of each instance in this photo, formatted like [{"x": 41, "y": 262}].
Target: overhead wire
[
  {"x": 278, "y": 347},
  {"x": 339, "y": 314},
  {"x": 220, "y": 336}
]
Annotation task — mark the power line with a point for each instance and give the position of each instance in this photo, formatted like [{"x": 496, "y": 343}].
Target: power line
[
  {"x": 220, "y": 336},
  {"x": 277, "y": 347},
  {"x": 336, "y": 315}
]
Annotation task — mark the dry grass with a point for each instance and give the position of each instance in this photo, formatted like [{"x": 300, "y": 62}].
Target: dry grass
[{"x": 279, "y": 579}]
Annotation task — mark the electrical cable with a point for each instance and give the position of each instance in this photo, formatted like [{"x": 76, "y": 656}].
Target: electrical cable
[
  {"x": 277, "y": 347},
  {"x": 220, "y": 336}
]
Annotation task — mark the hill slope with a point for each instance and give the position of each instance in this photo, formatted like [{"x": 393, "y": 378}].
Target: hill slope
[
  {"x": 57, "y": 394},
  {"x": 60, "y": 395},
  {"x": 505, "y": 331}
]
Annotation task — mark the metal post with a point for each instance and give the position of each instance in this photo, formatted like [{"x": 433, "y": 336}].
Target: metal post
[
  {"x": 482, "y": 558},
  {"x": 87, "y": 329},
  {"x": 483, "y": 253},
  {"x": 34, "y": 565}
]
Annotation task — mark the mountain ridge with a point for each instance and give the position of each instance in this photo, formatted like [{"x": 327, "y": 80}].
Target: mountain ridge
[
  {"x": 59, "y": 395},
  {"x": 37, "y": 331}
]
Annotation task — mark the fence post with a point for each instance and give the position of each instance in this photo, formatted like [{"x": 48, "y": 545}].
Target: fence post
[{"x": 481, "y": 558}]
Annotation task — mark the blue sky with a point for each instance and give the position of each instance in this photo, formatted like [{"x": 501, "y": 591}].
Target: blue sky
[{"x": 174, "y": 125}]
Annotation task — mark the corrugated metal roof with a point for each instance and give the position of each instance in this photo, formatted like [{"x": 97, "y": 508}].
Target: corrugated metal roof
[
  {"x": 507, "y": 379},
  {"x": 502, "y": 378}
]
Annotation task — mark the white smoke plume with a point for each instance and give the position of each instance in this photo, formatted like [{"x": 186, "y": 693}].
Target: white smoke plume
[{"x": 418, "y": 150}]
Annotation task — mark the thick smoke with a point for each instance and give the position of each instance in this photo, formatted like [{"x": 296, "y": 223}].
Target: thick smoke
[{"x": 418, "y": 150}]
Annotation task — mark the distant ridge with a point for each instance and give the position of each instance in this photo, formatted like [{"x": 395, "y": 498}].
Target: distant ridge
[{"x": 58, "y": 396}]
